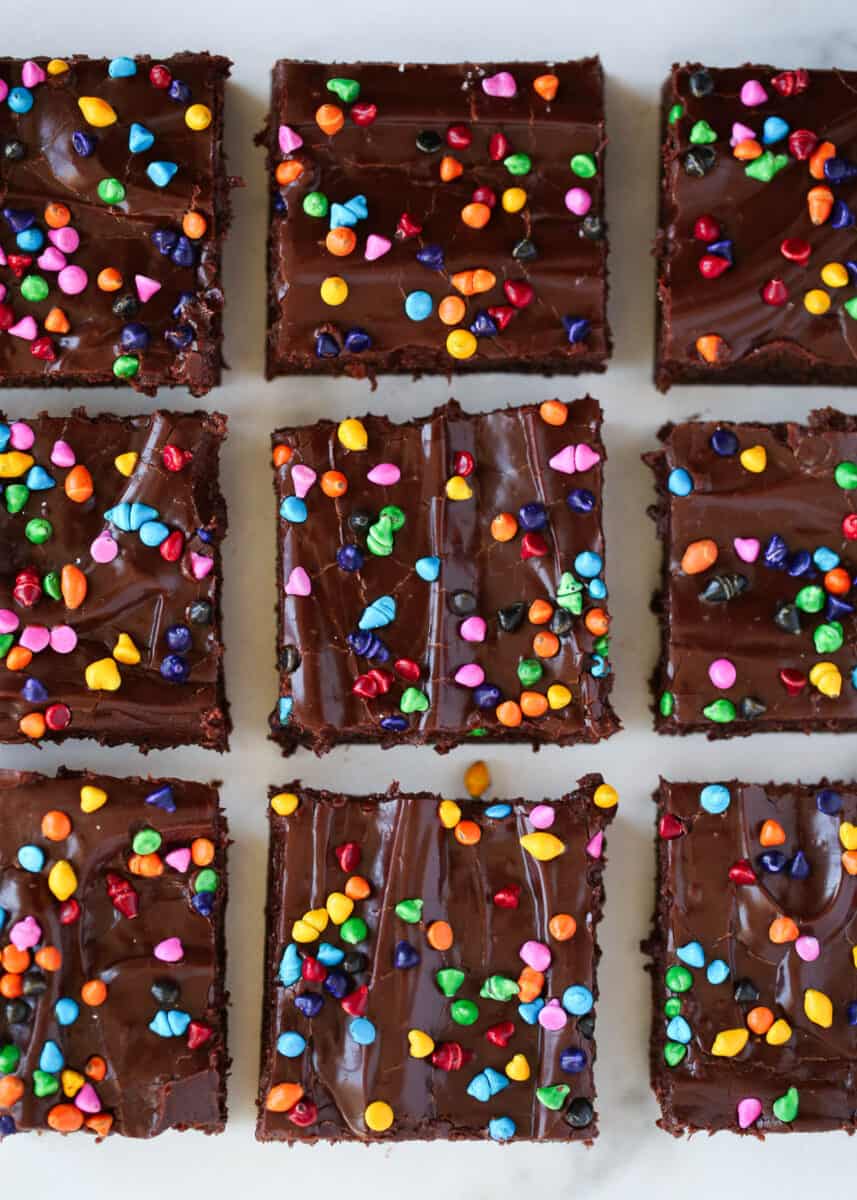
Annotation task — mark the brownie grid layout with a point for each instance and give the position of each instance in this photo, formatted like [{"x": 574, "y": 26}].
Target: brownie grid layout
[
  {"x": 757, "y": 605},
  {"x": 436, "y": 218},
  {"x": 110, "y": 580},
  {"x": 114, "y": 208},
  {"x": 443, "y": 579},
  {"x": 431, "y": 967},
  {"x": 757, "y": 280},
  {"x": 112, "y": 991},
  {"x": 753, "y": 957}
]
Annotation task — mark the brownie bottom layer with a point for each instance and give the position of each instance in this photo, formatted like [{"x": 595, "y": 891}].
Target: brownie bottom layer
[
  {"x": 442, "y": 744},
  {"x": 431, "y": 364}
]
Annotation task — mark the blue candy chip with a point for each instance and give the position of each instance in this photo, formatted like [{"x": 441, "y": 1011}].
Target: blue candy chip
[
  {"x": 428, "y": 568},
  {"x": 597, "y": 589},
  {"x": 774, "y": 130},
  {"x": 418, "y": 305},
  {"x": 328, "y": 956},
  {"x": 529, "y": 1013},
  {"x": 38, "y": 480},
  {"x": 680, "y": 482},
  {"x": 290, "y": 966},
  {"x": 678, "y": 1030},
  {"x": 20, "y": 99},
  {"x": 692, "y": 954},
  {"x": 30, "y": 239},
  {"x": 5, "y": 435},
  {"x": 825, "y": 559},
  {"x": 66, "y": 1010},
  {"x": 152, "y": 533},
  {"x": 293, "y": 509},
  {"x": 828, "y": 801},
  {"x": 122, "y": 67},
  {"x": 291, "y": 1044},
  {"x": 718, "y": 971},
  {"x": 140, "y": 138},
  {"x": 588, "y": 564},
  {"x": 31, "y": 858},
  {"x": 51, "y": 1059},
  {"x": 284, "y": 709},
  {"x": 577, "y": 1000},
  {"x": 362, "y": 1031},
  {"x": 161, "y": 173},
  {"x": 715, "y": 798},
  {"x": 496, "y": 812},
  {"x": 501, "y": 1129}
]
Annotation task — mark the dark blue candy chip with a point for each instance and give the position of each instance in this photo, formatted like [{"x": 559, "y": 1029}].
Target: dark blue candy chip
[
  {"x": 851, "y": 268},
  {"x": 841, "y": 217},
  {"x": 179, "y": 638},
  {"x": 34, "y": 691},
  {"x": 175, "y": 669},
  {"x": 483, "y": 325},
  {"x": 83, "y": 143},
  {"x": 178, "y": 91},
  {"x": 394, "y": 723},
  {"x": 184, "y": 299},
  {"x": 338, "y": 984},
  {"x": 580, "y": 500},
  {"x": 19, "y": 219},
  {"x": 836, "y": 609},
  {"x": 724, "y": 442},
  {"x": 7, "y": 1125},
  {"x": 577, "y": 328},
  {"x": 532, "y": 515},
  {"x": 184, "y": 252},
  {"x": 357, "y": 340},
  {"x": 162, "y": 798},
  {"x": 431, "y": 256},
  {"x": 309, "y": 1003},
  {"x": 280, "y": 205},
  {"x": 828, "y": 801},
  {"x": 349, "y": 557},
  {"x": 851, "y": 1012},
  {"x": 165, "y": 240},
  {"x": 722, "y": 249},
  {"x": 799, "y": 867},
  {"x": 772, "y": 861},
  {"x": 326, "y": 346},
  {"x": 573, "y": 1061},
  {"x": 405, "y": 956},
  {"x": 204, "y": 535},
  {"x": 776, "y": 552},
  {"x": 180, "y": 337},
  {"x": 839, "y": 170},
  {"x": 799, "y": 563},
  {"x": 368, "y": 645},
  {"x": 487, "y": 695},
  {"x": 203, "y": 902},
  {"x": 134, "y": 336}
]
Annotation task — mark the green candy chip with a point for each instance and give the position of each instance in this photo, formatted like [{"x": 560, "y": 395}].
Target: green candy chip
[
  {"x": 206, "y": 881},
  {"x": 666, "y": 704},
  {"x": 529, "y": 671},
  {"x": 702, "y": 134},
  {"x": 675, "y": 114},
  {"x": 449, "y": 980},
  {"x": 16, "y": 496},
  {"x": 721, "y": 712},
  {"x": 464, "y": 1012},
  {"x": 111, "y": 191},
  {"x": 38, "y": 531},
  {"x": 678, "y": 979},
  {"x": 316, "y": 204},
  {"x": 51, "y": 585},
  {"x": 846, "y": 473},
  {"x": 147, "y": 841},
  {"x": 409, "y": 910},
  {"x": 674, "y": 1052},
  {"x": 584, "y": 166},
  {"x": 346, "y": 89},
  {"x": 499, "y": 987},
  {"x": 354, "y": 930},
  {"x": 518, "y": 164},
  {"x": 553, "y": 1096}
]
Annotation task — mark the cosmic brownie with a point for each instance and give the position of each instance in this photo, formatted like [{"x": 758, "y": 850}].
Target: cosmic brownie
[
  {"x": 110, "y": 579},
  {"x": 113, "y": 1009},
  {"x": 757, "y": 279},
  {"x": 754, "y": 958},
  {"x": 431, "y": 966},
  {"x": 759, "y": 525},
  {"x": 436, "y": 218},
  {"x": 443, "y": 579},
  {"x": 113, "y": 209}
]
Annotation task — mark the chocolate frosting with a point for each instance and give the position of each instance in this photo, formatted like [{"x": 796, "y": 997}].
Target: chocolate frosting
[
  {"x": 764, "y": 342},
  {"x": 139, "y": 593},
  {"x": 152, "y": 1083},
  {"x": 381, "y": 161},
  {"x": 697, "y": 902},
  {"x": 511, "y": 449},
  {"x": 795, "y": 498},
  {"x": 119, "y": 235},
  {"x": 407, "y": 853}
]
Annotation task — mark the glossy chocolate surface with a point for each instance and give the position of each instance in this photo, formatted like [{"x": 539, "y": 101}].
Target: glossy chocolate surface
[
  {"x": 151, "y": 1082},
  {"x": 140, "y": 593},
  {"x": 407, "y": 853},
  {"x": 183, "y": 318},
  {"x": 382, "y": 162},
  {"x": 322, "y": 654},
  {"x": 732, "y": 922},
  {"x": 793, "y": 522},
  {"x": 763, "y": 342}
]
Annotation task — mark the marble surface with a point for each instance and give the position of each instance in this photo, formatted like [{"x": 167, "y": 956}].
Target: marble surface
[{"x": 637, "y": 44}]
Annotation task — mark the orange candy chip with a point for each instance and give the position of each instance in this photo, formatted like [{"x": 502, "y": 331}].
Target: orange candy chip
[
  {"x": 562, "y": 927},
  {"x": 334, "y": 484},
  {"x": 849, "y": 862},
  {"x": 546, "y": 86},
  {"x": 11, "y": 1090},
  {"x": 57, "y": 322},
  {"x": 109, "y": 280},
  {"x": 540, "y": 612},
  {"x": 148, "y": 866},
  {"x": 194, "y": 225},
  {"x": 450, "y": 168},
  {"x": 93, "y": 992},
  {"x": 747, "y": 150},
  {"x": 33, "y": 724},
  {"x": 710, "y": 347},
  {"x": 55, "y": 826},
  {"x": 699, "y": 556},
  {"x": 760, "y": 1020},
  {"x": 202, "y": 851},
  {"x": 530, "y": 984},
  {"x": 439, "y": 935},
  {"x": 837, "y": 581},
  {"x": 451, "y": 310},
  {"x": 330, "y": 120},
  {"x": 476, "y": 215},
  {"x": 597, "y": 622},
  {"x": 49, "y": 958},
  {"x": 819, "y": 157},
  {"x": 546, "y": 645},
  {"x": 772, "y": 833},
  {"x": 282, "y": 455},
  {"x": 467, "y": 833},
  {"x": 503, "y": 527},
  {"x": 509, "y": 714},
  {"x": 78, "y": 484},
  {"x": 553, "y": 412},
  {"x": 289, "y": 171},
  {"x": 57, "y": 215},
  {"x": 96, "y": 1068},
  {"x": 65, "y": 1118},
  {"x": 284, "y": 1096},
  {"x": 782, "y": 930},
  {"x": 19, "y": 658},
  {"x": 341, "y": 241},
  {"x": 100, "y": 1124},
  {"x": 11, "y": 987},
  {"x": 357, "y": 888},
  {"x": 471, "y": 283},
  {"x": 72, "y": 585},
  {"x": 819, "y": 202},
  {"x": 533, "y": 704},
  {"x": 15, "y": 961}
]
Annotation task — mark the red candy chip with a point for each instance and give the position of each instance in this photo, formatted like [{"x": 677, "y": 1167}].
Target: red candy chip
[
  {"x": 671, "y": 827},
  {"x": 363, "y": 113},
  {"x": 43, "y": 347},
  {"x": 7, "y": 317},
  {"x": 450, "y": 1056},
  {"x": 502, "y": 314},
  {"x": 303, "y": 1113},
  {"x": 518, "y": 292},
  {"x": 122, "y": 896},
  {"x": 533, "y": 545},
  {"x": 795, "y": 250},
  {"x": 407, "y": 226},
  {"x": 706, "y": 229},
  {"x": 849, "y": 527},
  {"x": 741, "y": 872},
  {"x": 802, "y": 142},
  {"x": 57, "y": 716},
  {"x": 69, "y": 912},
  {"x": 357, "y": 1003},
  {"x": 463, "y": 463},
  {"x": 365, "y": 687},
  {"x": 348, "y": 856},
  {"x": 28, "y": 589},
  {"x": 485, "y": 195},
  {"x": 382, "y": 679},
  {"x": 458, "y": 137},
  {"x": 175, "y": 458},
  {"x": 775, "y": 292},
  {"x": 500, "y": 1033},
  {"x": 791, "y": 83},
  {"x": 712, "y": 265},
  {"x": 160, "y": 76},
  {"x": 172, "y": 545},
  {"x": 19, "y": 263},
  {"x": 793, "y": 681},
  {"x": 498, "y": 146},
  {"x": 312, "y": 970},
  {"x": 408, "y": 669},
  {"x": 508, "y": 896},
  {"x": 197, "y": 1035}
]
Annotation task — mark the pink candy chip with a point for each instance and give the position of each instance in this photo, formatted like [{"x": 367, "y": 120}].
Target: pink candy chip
[
  {"x": 376, "y": 246},
  {"x": 741, "y": 133},
  {"x": 752, "y": 93},
  {"x": 749, "y": 1110},
  {"x": 51, "y": 259},
  {"x": 72, "y": 280},
  {"x": 470, "y": 675},
  {"x": 385, "y": 474},
  {"x": 65, "y": 239},
  {"x": 303, "y": 478},
  {"x": 35, "y": 638},
  {"x": 26, "y": 328},
  {"x": 289, "y": 139},
  {"x": 179, "y": 860},
  {"x": 2, "y": 292},
  {"x": 146, "y": 287},
  {"x": 105, "y": 548},
  {"x": 87, "y": 1099},
  {"x": 502, "y": 84},
  {"x": 807, "y": 948},
  {"x": 4, "y": 90},
  {"x": 578, "y": 201},
  {"x": 9, "y": 620},
  {"x": 200, "y": 565},
  {"x": 62, "y": 454},
  {"x": 722, "y": 673},
  {"x": 585, "y": 457},
  {"x": 595, "y": 845},
  {"x": 298, "y": 582},
  {"x": 170, "y": 950},
  {"x": 22, "y": 436},
  {"x": 553, "y": 1016},
  {"x": 563, "y": 460},
  {"x": 747, "y": 549},
  {"x": 536, "y": 955},
  {"x": 63, "y": 639},
  {"x": 542, "y": 816},
  {"x": 473, "y": 629},
  {"x": 32, "y": 74},
  {"x": 25, "y": 934}
]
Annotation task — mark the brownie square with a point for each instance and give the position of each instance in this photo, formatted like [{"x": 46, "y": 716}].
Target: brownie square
[
  {"x": 112, "y": 902},
  {"x": 431, "y": 967},
  {"x": 756, "y": 278},
  {"x": 110, "y": 579},
  {"x": 115, "y": 206},
  {"x": 436, "y": 218},
  {"x": 757, "y": 603},
  {"x": 443, "y": 579},
  {"x": 753, "y": 957}
]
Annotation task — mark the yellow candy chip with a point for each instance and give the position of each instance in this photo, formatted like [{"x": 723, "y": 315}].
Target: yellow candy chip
[
  {"x": 57, "y": 66},
  {"x": 779, "y": 1033},
  {"x": 449, "y": 814},
  {"x": 317, "y": 918},
  {"x": 125, "y": 651},
  {"x": 513, "y": 199},
  {"x": 854, "y": 955},
  {"x": 558, "y": 695},
  {"x": 92, "y": 798},
  {"x": 97, "y": 111},
  {"x": 518, "y": 1068},
  {"x": 198, "y": 117},
  {"x": 62, "y": 880},
  {"x": 542, "y": 846},
  {"x": 816, "y": 302},
  {"x": 339, "y": 907},
  {"x": 284, "y": 803},
  {"x": 334, "y": 290},
  {"x": 303, "y": 932},
  {"x": 461, "y": 343},
  {"x": 457, "y": 488},
  {"x": 72, "y": 1082},
  {"x": 420, "y": 1044},
  {"x": 378, "y": 1116},
  {"x": 605, "y": 796},
  {"x": 352, "y": 434},
  {"x": 818, "y": 1007},
  {"x": 477, "y": 779},
  {"x": 827, "y": 678},
  {"x": 730, "y": 1042},
  {"x": 15, "y": 463},
  {"x": 834, "y": 274},
  {"x": 103, "y": 676},
  {"x": 125, "y": 463},
  {"x": 755, "y": 459},
  {"x": 848, "y": 835}
]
